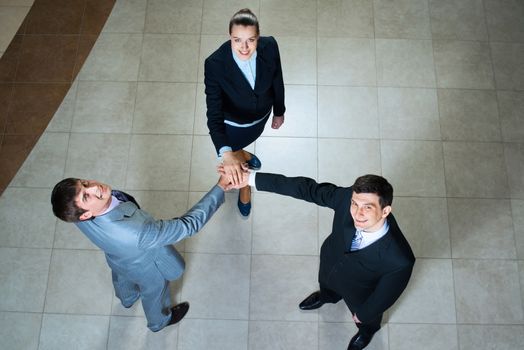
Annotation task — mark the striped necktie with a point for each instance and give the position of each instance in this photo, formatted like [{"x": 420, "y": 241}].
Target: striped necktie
[{"x": 357, "y": 239}]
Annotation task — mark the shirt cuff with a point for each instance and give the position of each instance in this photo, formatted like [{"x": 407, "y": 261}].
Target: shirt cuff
[
  {"x": 251, "y": 180},
  {"x": 224, "y": 149}
]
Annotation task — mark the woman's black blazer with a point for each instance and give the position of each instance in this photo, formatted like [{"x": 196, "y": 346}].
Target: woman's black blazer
[{"x": 229, "y": 95}]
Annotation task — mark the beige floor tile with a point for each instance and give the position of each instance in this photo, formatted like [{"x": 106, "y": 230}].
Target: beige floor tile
[
  {"x": 469, "y": 115},
  {"x": 115, "y": 57},
  {"x": 348, "y": 18},
  {"x": 131, "y": 333},
  {"x": 432, "y": 279},
  {"x": 505, "y": 20},
  {"x": 514, "y": 154},
  {"x": 108, "y": 167},
  {"x": 283, "y": 335},
  {"x": 63, "y": 332},
  {"x": 159, "y": 162},
  {"x": 288, "y": 156},
  {"x": 167, "y": 16},
  {"x": 517, "y": 211},
  {"x": 405, "y": 63},
  {"x": 508, "y": 64},
  {"x": 104, "y": 107},
  {"x": 299, "y": 59},
  {"x": 341, "y": 161},
  {"x": 475, "y": 169},
  {"x": 478, "y": 235},
  {"x": 422, "y": 336},
  {"x": 213, "y": 334},
  {"x": 24, "y": 280},
  {"x": 45, "y": 164},
  {"x": 408, "y": 114},
  {"x": 79, "y": 283},
  {"x": 164, "y": 108},
  {"x": 217, "y": 286},
  {"x": 20, "y": 330},
  {"x": 414, "y": 168},
  {"x": 16, "y": 206},
  {"x": 424, "y": 222},
  {"x": 301, "y": 113},
  {"x": 295, "y": 231},
  {"x": 473, "y": 337},
  {"x": 288, "y": 17},
  {"x": 348, "y": 112},
  {"x": 402, "y": 19},
  {"x": 278, "y": 284},
  {"x": 169, "y": 58},
  {"x": 346, "y": 61},
  {"x": 127, "y": 16},
  {"x": 478, "y": 296},
  {"x": 463, "y": 64},
  {"x": 511, "y": 109},
  {"x": 458, "y": 20}
]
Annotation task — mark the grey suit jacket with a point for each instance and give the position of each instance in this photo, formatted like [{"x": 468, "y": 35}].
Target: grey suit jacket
[{"x": 136, "y": 244}]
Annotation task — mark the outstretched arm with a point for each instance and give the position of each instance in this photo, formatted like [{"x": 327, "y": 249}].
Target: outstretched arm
[
  {"x": 323, "y": 194},
  {"x": 157, "y": 233}
]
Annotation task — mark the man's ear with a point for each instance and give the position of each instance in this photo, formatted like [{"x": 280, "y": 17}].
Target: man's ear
[
  {"x": 386, "y": 210},
  {"x": 86, "y": 216}
]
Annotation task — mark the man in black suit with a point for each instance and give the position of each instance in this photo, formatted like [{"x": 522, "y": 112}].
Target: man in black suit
[{"x": 366, "y": 259}]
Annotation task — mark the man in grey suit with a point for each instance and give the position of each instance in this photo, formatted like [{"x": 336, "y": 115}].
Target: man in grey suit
[{"x": 138, "y": 248}]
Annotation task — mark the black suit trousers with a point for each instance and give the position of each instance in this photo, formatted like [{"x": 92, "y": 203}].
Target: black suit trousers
[{"x": 369, "y": 328}]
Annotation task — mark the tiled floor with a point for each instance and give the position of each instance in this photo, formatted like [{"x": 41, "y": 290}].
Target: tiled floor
[{"x": 429, "y": 93}]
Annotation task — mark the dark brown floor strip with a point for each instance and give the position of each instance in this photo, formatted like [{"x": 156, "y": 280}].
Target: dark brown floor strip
[{"x": 38, "y": 68}]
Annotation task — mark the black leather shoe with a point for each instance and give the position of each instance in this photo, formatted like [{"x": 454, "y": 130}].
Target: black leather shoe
[
  {"x": 254, "y": 163},
  {"x": 359, "y": 341},
  {"x": 312, "y": 302},
  {"x": 244, "y": 208},
  {"x": 178, "y": 312}
]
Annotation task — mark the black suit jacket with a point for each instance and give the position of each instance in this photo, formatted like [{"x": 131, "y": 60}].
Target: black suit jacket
[
  {"x": 229, "y": 95},
  {"x": 369, "y": 280}
]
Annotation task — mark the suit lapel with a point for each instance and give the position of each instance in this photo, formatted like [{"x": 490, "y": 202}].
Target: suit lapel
[
  {"x": 263, "y": 68},
  {"x": 349, "y": 227},
  {"x": 234, "y": 72}
]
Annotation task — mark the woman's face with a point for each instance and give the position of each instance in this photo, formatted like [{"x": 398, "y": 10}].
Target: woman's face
[{"x": 244, "y": 41}]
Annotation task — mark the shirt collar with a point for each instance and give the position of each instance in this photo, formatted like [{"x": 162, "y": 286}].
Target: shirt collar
[
  {"x": 370, "y": 237},
  {"x": 114, "y": 203}
]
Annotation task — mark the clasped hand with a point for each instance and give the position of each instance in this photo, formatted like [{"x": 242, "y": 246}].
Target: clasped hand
[{"x": 233, "y": 170}]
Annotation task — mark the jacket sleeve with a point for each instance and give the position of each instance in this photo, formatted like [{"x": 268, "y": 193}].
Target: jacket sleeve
[
  {"x": 279, "y": 107},
  {"x": 323, "y": 194},
  {"x": 157, "y": 233},
  {"x": 215, "y": 115},
  {"x": 387, "y": 291}
]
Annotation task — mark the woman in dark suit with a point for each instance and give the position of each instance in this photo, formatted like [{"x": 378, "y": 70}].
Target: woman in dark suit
[{"x": 243, "y": 79}]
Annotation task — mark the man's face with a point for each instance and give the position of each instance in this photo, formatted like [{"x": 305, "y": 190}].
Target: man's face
[
  {"x": 244, "y": 40},
  {"x": 92, "y": 196},
  {"x": 366, "y": 211}
]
